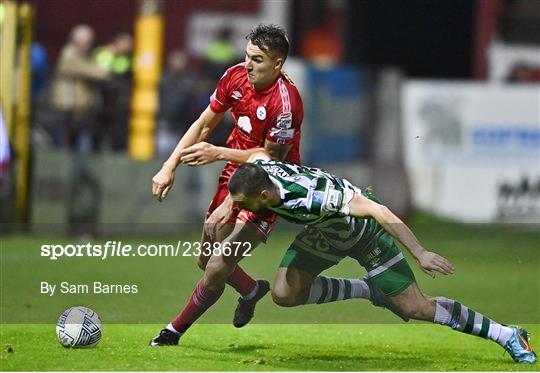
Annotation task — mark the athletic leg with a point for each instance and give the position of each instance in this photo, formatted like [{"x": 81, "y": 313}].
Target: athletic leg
[
  {"x": 241, "y": 281},
  {"x": 414, "y": 304},
  {"x": 209, "y": 288},
  {"x": 298, "y": 281}
]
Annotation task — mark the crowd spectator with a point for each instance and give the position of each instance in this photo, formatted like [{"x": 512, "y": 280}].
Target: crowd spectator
[
  {"x": 40, "y": 68},
  {"x": 220, "y": 53},
  {"x": 175, "y": 112},
  {"x": 116, "y": 58},
  {"x": 75, "y": 94},
  {"x": 76, "y": 99}
]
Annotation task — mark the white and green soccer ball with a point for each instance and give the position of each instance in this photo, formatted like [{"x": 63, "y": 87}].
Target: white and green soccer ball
[{"x": 78, "y": 327}]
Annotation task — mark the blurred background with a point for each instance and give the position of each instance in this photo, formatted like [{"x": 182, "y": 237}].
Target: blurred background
[{"x": 436, "y": 104}]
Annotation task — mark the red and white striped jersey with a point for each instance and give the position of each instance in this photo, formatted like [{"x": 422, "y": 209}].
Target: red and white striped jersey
[{"x": 275, "y": 113}]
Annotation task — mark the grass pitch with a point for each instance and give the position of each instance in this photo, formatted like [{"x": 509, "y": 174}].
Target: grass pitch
[
  {"x": 262, "y": 347},
  {"x": 496, "y": 274}
]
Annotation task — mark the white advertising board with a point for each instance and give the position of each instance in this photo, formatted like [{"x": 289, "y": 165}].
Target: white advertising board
[{"x": 473, "y": 150}]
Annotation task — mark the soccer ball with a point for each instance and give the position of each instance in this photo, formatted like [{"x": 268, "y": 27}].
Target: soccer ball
[{"x": 78, "y": 327}]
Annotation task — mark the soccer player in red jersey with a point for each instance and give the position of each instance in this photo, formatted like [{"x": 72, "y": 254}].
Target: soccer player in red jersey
[{"x": 267, "y": 112}]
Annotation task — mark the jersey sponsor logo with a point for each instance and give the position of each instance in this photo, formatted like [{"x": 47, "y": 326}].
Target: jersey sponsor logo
[
  {"x": 245, "y": 124},
  {"x": 261, "y": 113},
  {"x": 333, "y": 200},
  {"x": 276, "y": 171},
  {"x": 284, "y": 120},
  {"x": 282, "y": 134},
  {"x": 236, "y": 95}
]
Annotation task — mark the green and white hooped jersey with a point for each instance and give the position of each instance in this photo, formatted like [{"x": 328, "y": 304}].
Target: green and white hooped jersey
[{"x": 319, "y": 199}]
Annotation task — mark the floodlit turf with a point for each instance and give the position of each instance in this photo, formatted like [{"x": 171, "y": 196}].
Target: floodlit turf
[
  {"x": 261, "y": 347},
  {"x": 496, "y": 274}
]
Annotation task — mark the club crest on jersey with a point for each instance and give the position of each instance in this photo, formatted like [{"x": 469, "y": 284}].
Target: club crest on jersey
[
  {"x": 261, "y": 113},
  {"x": 245, "y": 124}
]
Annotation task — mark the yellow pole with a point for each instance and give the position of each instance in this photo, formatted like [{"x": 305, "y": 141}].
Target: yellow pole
[
  {"x": 147, "y": 71},
  {"x": 22, "y": 115},
  {"x": 8, "y": 33}
]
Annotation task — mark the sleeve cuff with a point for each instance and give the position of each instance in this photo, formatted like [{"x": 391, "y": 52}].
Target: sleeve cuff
[
  {"x": 348, "y": 195},
  {"x": 216, "y": 107}
]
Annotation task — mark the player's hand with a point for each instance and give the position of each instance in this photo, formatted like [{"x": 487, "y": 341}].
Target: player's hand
[
  {"x": 199, "y": 154},
  {"x": 162, "y": 182},
  {"x": 430, "y": 263},
  {"x": 218, "y": 219}
]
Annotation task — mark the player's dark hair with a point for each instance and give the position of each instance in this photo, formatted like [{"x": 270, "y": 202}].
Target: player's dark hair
[
  {"x": 250, "y": 180},
  {"x": 270, "y": 38}
]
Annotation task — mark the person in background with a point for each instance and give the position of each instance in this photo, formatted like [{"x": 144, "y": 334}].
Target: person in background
[
  {"x": 220, "y": 53},
  {"x": 75, "y": 91},
  {"x": 175, "y": 96},
  {"x": 179, "y": 95},
  {"x": 40, "y": 68},
  {"x": 116, "y": 58},
  {"x": 76, "y": 100}
]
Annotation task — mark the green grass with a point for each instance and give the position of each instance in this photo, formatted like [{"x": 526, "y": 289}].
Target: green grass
[
  {"x": 262, "y": 347},
  {"x": 496, "y": 274}
]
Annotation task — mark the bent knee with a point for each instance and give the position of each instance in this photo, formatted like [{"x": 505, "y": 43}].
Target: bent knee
[
  {"x": 284, "y": 300},
  {"x": 286, "y": 297}
]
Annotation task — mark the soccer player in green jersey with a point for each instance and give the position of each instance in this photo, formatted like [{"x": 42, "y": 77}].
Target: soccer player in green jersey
[{"x": 343, "y": 220}]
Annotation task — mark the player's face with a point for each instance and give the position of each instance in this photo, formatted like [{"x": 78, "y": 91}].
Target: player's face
[
  {"x": 262, "y": 68},
  {"x": 253, "y": 204}
]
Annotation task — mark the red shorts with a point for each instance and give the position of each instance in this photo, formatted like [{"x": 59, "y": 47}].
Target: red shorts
[{"x": 263, "y": 222}]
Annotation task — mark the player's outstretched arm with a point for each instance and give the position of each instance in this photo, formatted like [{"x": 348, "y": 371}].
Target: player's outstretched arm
[
  {"x": 203, "y": 153},
  {"x": 261, "y": 154},
  {"x": 428, "y": 261},
  {"x": 163, "y": 181}
]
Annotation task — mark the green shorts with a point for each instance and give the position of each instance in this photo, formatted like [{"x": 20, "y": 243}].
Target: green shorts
[{"x": 380, "y": 256}]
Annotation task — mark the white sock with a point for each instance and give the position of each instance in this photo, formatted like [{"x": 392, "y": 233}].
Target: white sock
[
  {"x": 172, "y": 329},
  {"x": 461, "y": 318},
  {"x": 499, "y": 333}
]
